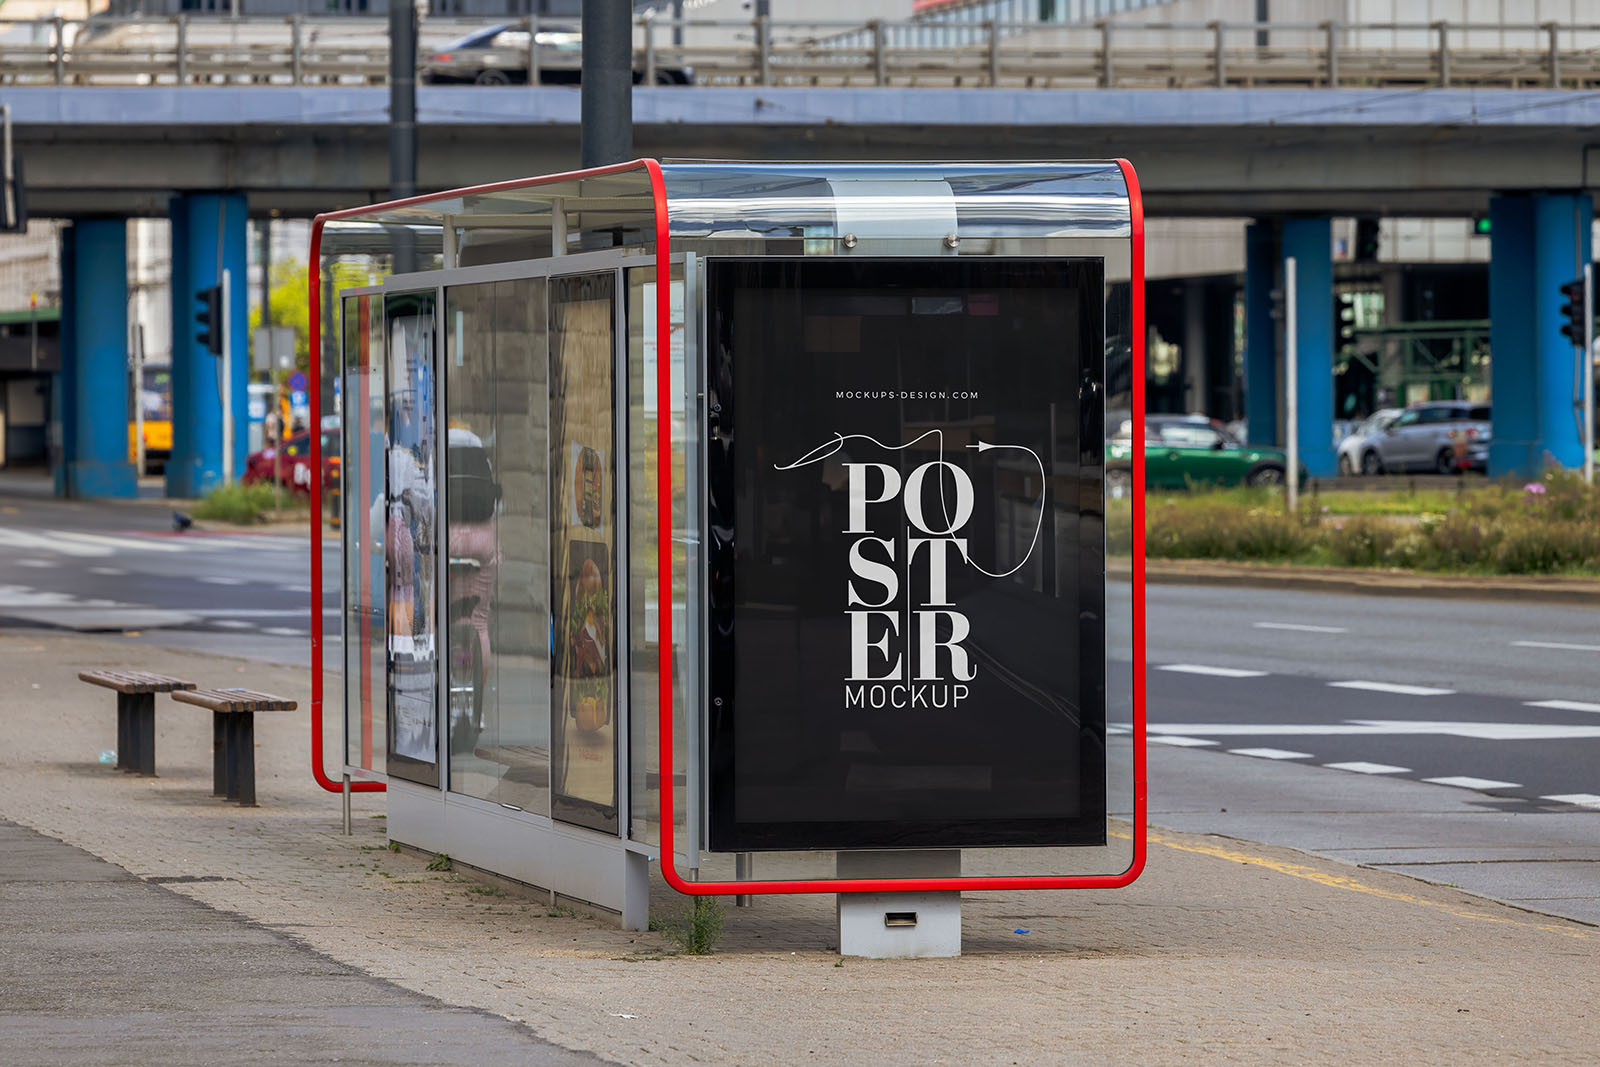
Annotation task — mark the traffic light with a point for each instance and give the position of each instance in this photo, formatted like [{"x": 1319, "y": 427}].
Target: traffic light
[
  {"x": 1572, "y": 329},
  {"x": 1366, "y": 240},
  {"x": 1345, "y": 316},
  {"x": 210, "y": 319}
]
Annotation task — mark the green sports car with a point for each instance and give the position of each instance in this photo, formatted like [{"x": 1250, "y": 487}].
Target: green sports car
[{"x": 1185, "y": 450}]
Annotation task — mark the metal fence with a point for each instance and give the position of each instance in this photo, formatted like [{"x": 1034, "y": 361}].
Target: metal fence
[{"x": 300, "y": 50}]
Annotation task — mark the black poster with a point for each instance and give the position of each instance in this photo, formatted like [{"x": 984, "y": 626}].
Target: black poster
[{"x": 907, "y": 553}]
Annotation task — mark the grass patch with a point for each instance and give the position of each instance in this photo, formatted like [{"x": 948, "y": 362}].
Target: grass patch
[
  {"x": 1547, "y": 526},
  {"x": 696, "y": 931},
  {"x": 441, "y": 862},
  {"x": 245, "y": 504}
]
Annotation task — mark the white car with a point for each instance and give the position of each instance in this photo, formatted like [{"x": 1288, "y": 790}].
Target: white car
[{"x": 1353, "y": 447}]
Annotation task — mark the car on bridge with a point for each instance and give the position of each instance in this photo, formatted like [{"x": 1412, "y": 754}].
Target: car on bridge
[
  {"x": 499, "y": 56},
  {"x": 1183, "y": 451},
  {"x": 1443, "y": 436}
]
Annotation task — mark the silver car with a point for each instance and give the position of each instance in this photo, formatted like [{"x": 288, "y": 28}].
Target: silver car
[{"x": 1443, "y": 436}]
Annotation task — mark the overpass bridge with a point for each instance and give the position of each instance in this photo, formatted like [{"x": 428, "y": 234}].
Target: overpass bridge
[{"x": 209, "y": 155}]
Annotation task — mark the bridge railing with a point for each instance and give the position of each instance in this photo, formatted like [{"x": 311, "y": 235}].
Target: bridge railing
[{"x": 302, "y": 50}]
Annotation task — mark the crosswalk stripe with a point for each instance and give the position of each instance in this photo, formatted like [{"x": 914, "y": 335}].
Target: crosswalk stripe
[
  {"x": 1182, "y": 742},
  {"x": 1582, "y": 800},
  {"x": 1270, "y": 753},
  {"x": 1562, "y": 705},
  {"x": 22, "y": 539},
  {"x": 1215, "y": 672},
  {"x": 1466, "y": 781},
  {"x": 1393, "y": 687},
  {"x": 1362, "y": 767},
  {"x": 124, "y": 543}
]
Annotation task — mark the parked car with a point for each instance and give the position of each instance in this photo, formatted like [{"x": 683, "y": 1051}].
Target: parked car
[
  {"x": 295, "y": 473},
  {"x": 499, "y": 56},
  {"x": 1443, "y": 436},
  {"x": 1185, "y": 450},
  {"x": 1353, "y": 445}
]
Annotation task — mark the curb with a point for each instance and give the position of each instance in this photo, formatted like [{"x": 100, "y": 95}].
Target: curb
[{"x": 1361, "y": 582}]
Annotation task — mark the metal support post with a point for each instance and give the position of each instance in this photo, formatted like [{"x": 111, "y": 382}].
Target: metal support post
[
  {"x": 1554, "y": 30},
  {"x": 297, "y": 63},
  {"x": 144, "y": 732},
  {"x": 345, "y": 789},
  {"x": 1219, "y": 55},
  {"x": 61, "y": 50},
  {"x": 1291, "y": 393},
  {"x": 1332, "y": 30},
  {"x": 606, "y": 134},
  {"x": 534, "y": 76},
  {"x": 227, "y": 376},
  {"x": 182, "y": 46},
  {"x": 1444, "y": 54},
  {"x": 993, "y": 31},
  {"x": 880, "y": 53},
  {"x": 649, "y": 27},
  {"x": 1588, "y": 374},
  {"x": 1108, "y": 68},
  {"x": 763, "y": 51},
  {"x": 219, "y": 754},
  {"x": 744, "y": 868}
]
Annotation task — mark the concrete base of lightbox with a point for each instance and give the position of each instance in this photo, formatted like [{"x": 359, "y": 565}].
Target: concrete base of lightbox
[{"x": 899, "y": 925}]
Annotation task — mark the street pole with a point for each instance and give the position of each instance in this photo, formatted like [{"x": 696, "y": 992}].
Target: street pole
[
  {"x": 138, "y": 400},
  {"x": 227, "y": 377},
  {"x": 1291, "y": 396},
  {"x": 1588, "y": 374},
  {"x": 403, "y": 123},
  {"x": 607, "y": 85}
]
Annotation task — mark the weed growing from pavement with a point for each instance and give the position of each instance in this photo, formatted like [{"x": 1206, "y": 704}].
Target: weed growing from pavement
[
  {"x": 440, "y": 862},
  {"x": 246, "y": 504},
  {"x": 696, "y": 931},
  {"x": 393, "y": 846}
]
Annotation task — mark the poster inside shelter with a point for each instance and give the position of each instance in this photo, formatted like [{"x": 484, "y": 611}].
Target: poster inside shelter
[{"x": 907, "y": 641}]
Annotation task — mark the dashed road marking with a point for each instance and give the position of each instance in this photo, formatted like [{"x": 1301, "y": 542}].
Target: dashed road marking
[
  {"x": 1559, "y": 645},
  {"x": 36, "y": 563},
  {"x": 1466, "y": 781},
  {"x": 1270, "y": 753},
  {"x": 221, "y": 579},
  {"x": 1562, "y": 705},
  {"x": 233, "y": 624},
  {"x": 1393, "y": 687},
  {"x": 1215, "y": 672},
  {"x": 124, "y": 543},
  {"x": 1302, "y": 627},
  {"x": 109, "y": 572},
  {"x": 1362, "y": 767},
  {"x": 284, "y": 631},
  {"x": 1182, "y": 742},
  {"x": 1582, "y": 800}
]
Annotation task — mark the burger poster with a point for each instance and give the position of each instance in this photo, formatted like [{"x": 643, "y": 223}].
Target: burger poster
[{"x": 583, "y": 552}]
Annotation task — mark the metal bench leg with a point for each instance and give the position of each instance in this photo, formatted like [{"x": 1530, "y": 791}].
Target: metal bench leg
[
  {"x": 244, "y": 744},
  {"x": 145, "y": 728},
  {"x": 126, "y": 760},
  {"x": 230, "y": 756},
  {"x": 219, "y": 754}
]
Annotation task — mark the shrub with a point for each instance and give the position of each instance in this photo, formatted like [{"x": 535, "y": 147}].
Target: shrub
[
  {"x": 242, "y": 503},
  {"x": 1362, "y": 542}
]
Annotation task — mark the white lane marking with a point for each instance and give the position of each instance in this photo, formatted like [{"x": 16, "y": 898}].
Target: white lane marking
[
  {"x": 20, "y": 539},
  {"x": 1392, "y": 687},
  {"x": 233, "y": 624},
  {"x": 1466, "y": 781},
  {"x": 1478, "y": 731},
  {"x": 1302, "y": 627},
  {"x": 297, "y": 589},
  {"x": 1362, "y": 767},
  {"x": 259, "y": 613},
  {"x": 220, "y": 579},
  {"x": 1182, "y": 742},
  {"x": 1270, "y": 753},
  {"x": 1562, "y": 705},
  {"x": 1216, "y": 672},
  {"x": 143, "y": 544},
  {"x": 1582, "y": 800},
  {"x": 285, "y": 631},
  {"x": 1562, "y": 645},
  {"x": 36, "y": 563},
  {"x": 109, "y": 572}
]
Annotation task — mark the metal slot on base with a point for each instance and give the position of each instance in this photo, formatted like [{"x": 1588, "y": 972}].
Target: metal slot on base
[{"x": 899, "y": 918}]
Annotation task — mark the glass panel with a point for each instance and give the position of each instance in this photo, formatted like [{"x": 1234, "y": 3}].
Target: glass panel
[
  {"x": 361, "y": 486},
  {"x": 644, "y": 622},
  {"x": 917, "y": 593},
  {"x": 498, "y": 641},
  {"x": 583, "y": 524},
  {"x": 412, "y": 497}
]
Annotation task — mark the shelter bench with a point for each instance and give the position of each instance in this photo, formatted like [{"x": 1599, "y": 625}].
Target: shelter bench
[
  {"x": 233, "y": 736},
  {"x": 136, "y": 713}
]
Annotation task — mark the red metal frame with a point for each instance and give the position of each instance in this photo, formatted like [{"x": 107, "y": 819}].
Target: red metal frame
[
  {"x": 664, "y": 585},
  {"x": 314, "y": 300}
]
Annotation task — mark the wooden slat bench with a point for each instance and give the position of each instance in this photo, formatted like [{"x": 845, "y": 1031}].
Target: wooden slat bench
[
  {"x": 136, "y": 713},
  {"x": 233, "y": 736}
]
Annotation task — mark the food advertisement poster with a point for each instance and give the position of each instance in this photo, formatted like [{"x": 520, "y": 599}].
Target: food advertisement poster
[{"x": 907, "y": 561}]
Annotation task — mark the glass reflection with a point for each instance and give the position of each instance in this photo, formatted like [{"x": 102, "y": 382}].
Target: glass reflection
[
  {"x": 498, "y": 641},
  {"x": 361, "y": 486}
]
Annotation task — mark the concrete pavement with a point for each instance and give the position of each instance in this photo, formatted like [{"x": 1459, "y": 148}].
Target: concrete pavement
[{"x": 1223, "y": 949}]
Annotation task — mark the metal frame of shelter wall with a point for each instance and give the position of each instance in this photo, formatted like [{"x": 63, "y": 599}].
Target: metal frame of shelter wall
[{"x": 665, "y": 678}]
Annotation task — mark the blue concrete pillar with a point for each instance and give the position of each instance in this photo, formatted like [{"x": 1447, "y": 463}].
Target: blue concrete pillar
[
  {"x": 1260, "y": 333},
  {"x": 209, "y": 234},
  {"x": 99, "y": 464},
  {"x": 1539, "y": 243},
  {"x": 1310, "y": 242}
]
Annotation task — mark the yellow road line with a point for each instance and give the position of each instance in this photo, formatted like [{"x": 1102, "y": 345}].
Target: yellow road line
[{"x": 1339, "y": 881}]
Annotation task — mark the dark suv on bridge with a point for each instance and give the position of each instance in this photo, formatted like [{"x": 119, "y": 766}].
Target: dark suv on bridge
[{"x": 499, "y": 56}]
